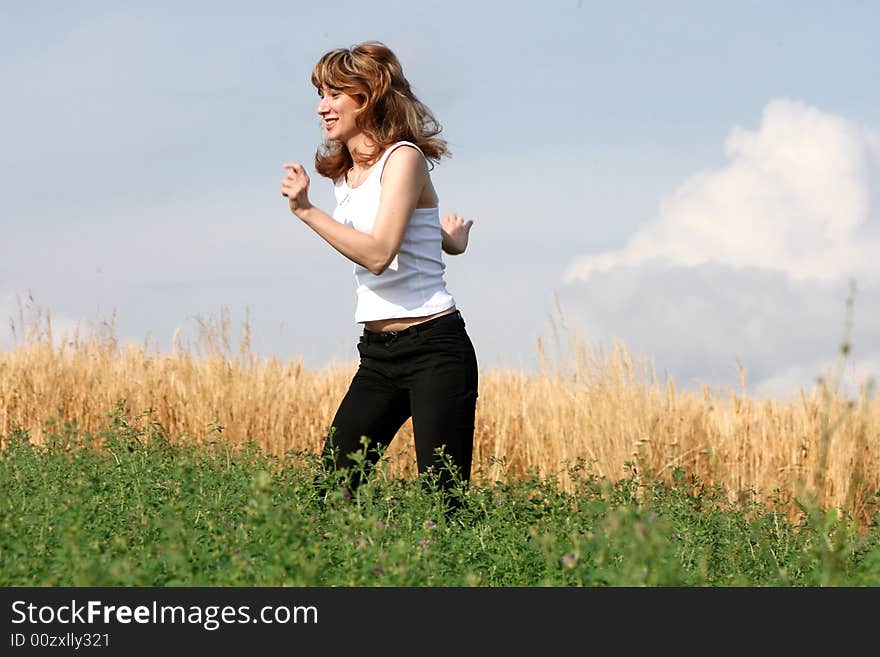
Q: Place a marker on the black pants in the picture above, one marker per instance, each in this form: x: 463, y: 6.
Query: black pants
x: 429, y: 372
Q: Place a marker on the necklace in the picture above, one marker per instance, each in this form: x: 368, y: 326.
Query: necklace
x: 350, y: 179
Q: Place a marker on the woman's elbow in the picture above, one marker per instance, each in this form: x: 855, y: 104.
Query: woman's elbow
x: 379, y: 265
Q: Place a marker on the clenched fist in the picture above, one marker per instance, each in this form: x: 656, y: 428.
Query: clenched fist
x: 295, y: 187
x: 455, y: 233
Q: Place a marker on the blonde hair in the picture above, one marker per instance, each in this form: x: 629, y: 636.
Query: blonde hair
x: 389, y: 111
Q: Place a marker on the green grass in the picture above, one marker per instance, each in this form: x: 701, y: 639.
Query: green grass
x: 127, y: 507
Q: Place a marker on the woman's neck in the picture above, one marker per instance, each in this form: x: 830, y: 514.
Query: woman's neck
x: 358, y: 146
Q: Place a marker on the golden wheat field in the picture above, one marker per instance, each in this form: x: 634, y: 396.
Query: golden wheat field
x: 603, y: 409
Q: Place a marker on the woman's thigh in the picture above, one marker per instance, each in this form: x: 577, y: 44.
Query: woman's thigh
x: 443, y: 397
x: 373, y: 408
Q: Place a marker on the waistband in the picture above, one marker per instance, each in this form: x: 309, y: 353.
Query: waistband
x: 386, y: 336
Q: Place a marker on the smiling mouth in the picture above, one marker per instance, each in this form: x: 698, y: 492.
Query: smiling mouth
x: 330, y: 123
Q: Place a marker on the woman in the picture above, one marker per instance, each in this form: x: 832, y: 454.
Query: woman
x: 416, y: 359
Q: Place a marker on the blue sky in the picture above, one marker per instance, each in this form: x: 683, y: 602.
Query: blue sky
x: 696, y: 179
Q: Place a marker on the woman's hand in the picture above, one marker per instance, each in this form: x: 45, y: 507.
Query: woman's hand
x: 455, y: 233
x: 295, y: 187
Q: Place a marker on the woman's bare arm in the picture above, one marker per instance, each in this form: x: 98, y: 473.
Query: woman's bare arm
x: 403, y: 179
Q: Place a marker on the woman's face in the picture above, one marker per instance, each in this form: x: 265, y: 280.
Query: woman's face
x: 338, y: 110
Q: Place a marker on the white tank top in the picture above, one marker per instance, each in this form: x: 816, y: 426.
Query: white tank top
x: 412, y: 285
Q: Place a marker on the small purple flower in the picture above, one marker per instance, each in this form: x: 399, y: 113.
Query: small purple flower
x: 362, y: 543
x: 569, y: 559
x: 346, y: 494
x: 430, y: 524
x: 378, y: 570
x: 424, y: 543
x: 380, y: 524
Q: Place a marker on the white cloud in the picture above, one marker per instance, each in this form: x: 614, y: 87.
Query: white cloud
x: 8, y: 310
x: 750, y: 263
x: 700, y: 324
x: 795, y: 197
x: 25, y: 321
x: 849, y: 377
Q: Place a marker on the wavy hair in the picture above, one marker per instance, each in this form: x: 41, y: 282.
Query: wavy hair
x: 389, y: 110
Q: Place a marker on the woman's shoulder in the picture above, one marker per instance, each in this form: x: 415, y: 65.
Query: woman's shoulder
x: 406, y: 150
x: 397, y: 146
x: 405, y: 159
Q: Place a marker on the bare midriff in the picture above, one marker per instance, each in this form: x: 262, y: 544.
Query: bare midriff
x: 400, y: 323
